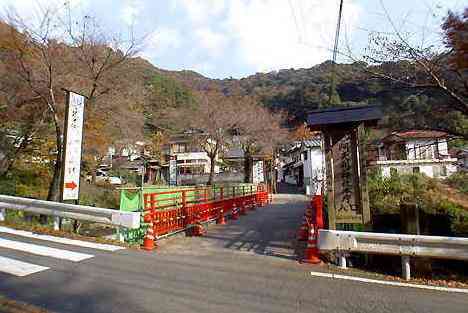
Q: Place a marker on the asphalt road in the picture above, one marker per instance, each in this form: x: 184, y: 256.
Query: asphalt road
x: 246, y: 266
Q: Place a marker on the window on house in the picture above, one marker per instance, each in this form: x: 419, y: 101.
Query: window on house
x: 416, y: 169
x: 179, y: 148
x: 430, y: 152
x: 305, y: 155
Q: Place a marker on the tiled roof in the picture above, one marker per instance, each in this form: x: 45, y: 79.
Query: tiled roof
x: 344, y: 115
x: 412, y: 134
x: 421, y: 134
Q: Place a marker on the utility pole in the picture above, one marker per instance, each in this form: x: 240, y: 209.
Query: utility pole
x: 335, y: 51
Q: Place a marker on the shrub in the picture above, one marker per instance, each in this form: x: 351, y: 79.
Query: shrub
x: 459, y: 181
x: 387, y: 193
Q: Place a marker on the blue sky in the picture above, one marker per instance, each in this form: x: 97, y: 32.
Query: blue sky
x: 224, y: 38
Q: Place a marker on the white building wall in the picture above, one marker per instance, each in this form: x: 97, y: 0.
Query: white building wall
x: 192, y: 157
x: 431, y: 168
x: 318, y: 174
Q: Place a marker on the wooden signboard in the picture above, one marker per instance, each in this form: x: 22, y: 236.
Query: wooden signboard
x: 346, y: 176
x: 345, y: 158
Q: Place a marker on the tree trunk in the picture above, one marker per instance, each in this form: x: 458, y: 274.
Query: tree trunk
x: 54, y: 187
x: 273, y: 177
x: 212, y: 169
x: 247, y: 167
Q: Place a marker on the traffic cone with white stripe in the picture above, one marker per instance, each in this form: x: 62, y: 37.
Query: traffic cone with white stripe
x: 221, y: 220
x: 302, y: 233
x: 311, y: 253
x: 148, y: 240
x: 235, y: 213
x: 198, y: 230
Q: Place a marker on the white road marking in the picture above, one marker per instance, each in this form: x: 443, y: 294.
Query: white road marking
x: 388, y: 283
x: 44, y: 251
x: 66, y: 241
x: 18, y: 268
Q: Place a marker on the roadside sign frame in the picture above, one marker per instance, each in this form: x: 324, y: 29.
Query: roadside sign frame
x: 65, y: 147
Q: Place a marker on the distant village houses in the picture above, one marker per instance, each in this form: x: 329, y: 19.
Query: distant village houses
x: 416, y: 151
x: 302, y: 165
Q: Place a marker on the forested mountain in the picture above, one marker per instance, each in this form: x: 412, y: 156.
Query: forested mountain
x: 298, y: 91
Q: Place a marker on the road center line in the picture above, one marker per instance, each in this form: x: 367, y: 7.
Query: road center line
x: 388, y: 283
x: 18, y: 268
x: 44, y: 251
x: 66, y: 241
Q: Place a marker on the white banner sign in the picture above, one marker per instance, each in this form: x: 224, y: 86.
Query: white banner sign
x: 258, y: 176
x: 173, y: 171
x: 74, y: 138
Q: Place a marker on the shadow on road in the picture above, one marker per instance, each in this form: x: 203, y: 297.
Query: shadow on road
x: 269, y: 230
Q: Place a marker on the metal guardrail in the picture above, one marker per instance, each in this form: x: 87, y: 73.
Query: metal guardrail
x: 79, y: 212
x: 342, y: 242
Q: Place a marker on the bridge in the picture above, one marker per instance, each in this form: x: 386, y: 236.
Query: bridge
x: 247, y: 265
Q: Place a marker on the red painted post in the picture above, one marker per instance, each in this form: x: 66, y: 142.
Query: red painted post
x: 312, y: 253
x: 221, y: 220
x: 185, y: 209
x: 317, y: 203
x: 252, y: 198
x: 243, y: 209
x: 148, y: 240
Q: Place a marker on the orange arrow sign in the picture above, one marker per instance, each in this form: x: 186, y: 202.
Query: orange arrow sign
x: 71, y: 185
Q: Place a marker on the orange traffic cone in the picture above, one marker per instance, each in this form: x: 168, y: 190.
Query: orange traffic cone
x: 311, y: 253
x: 148, y: 241
x: 303, y: 233
x: 198, y: 230
x: 235, y: 213
x: 221, y: 220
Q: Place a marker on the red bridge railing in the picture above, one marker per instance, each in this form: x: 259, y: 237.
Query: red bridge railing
x: 166, y: 213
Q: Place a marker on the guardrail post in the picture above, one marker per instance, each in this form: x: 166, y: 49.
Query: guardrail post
x: 2, y: 215
x: 56, y: 223
x: 342, y: 260
x: 405, y: 267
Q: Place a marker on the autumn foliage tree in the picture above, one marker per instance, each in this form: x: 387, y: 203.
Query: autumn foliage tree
x: 259, y: 131
x: 211, y: 122
x: 432, y: 77
x: 43, y: 60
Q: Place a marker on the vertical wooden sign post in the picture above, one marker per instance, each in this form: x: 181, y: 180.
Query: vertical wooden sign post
x: 72, y: 149
x: 345, y: 159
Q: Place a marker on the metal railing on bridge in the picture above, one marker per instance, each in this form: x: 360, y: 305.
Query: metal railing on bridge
x: 170, y: 212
